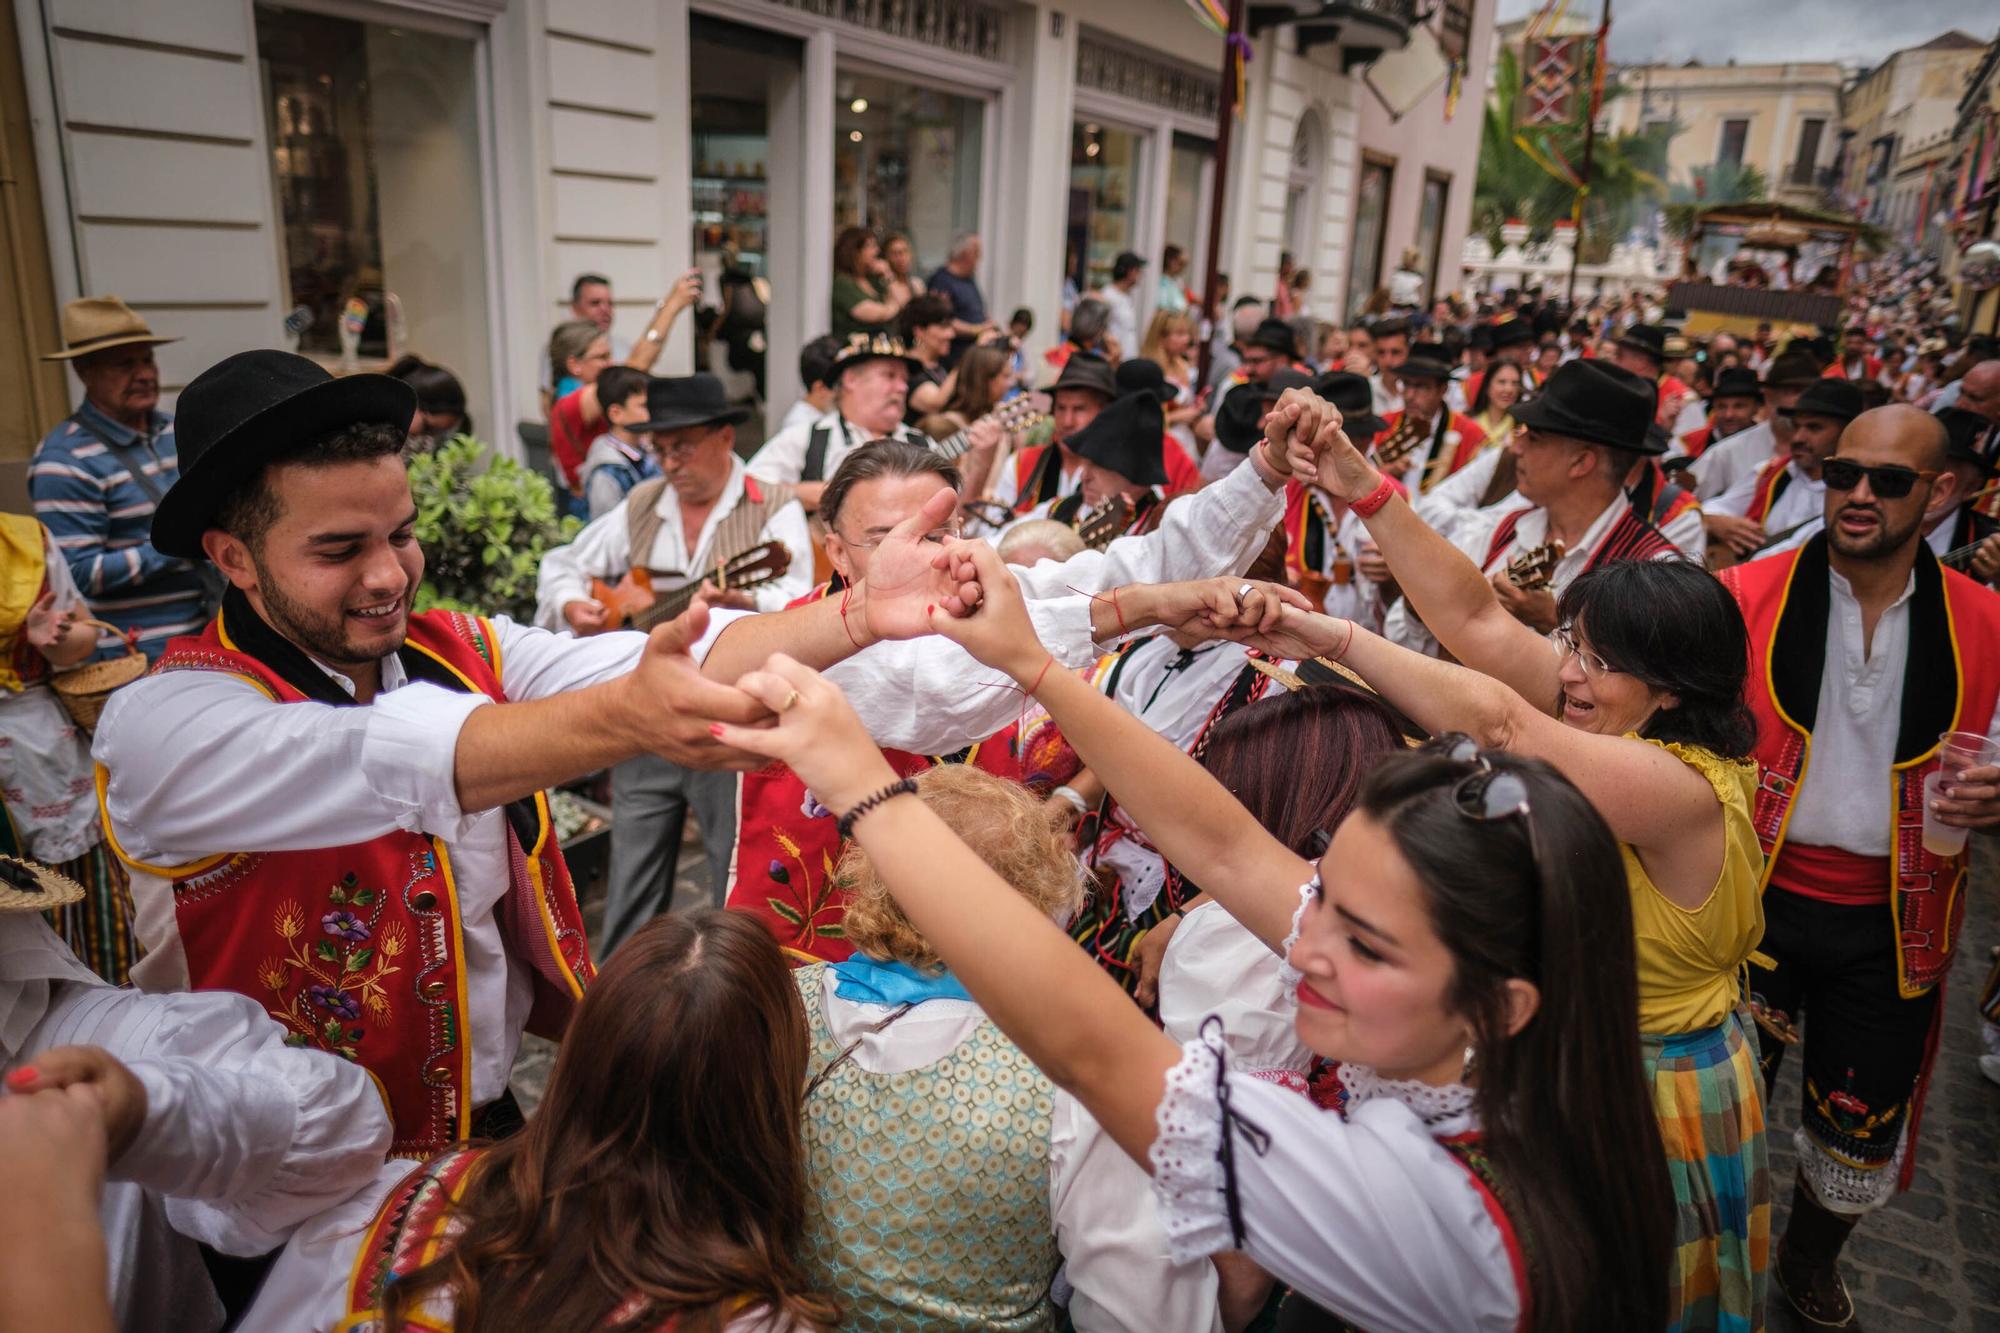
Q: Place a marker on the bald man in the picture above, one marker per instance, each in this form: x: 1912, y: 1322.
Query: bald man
x: 1863, y: 650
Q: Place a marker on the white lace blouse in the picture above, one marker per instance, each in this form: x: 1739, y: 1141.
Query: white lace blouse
x: 1366, y: 1213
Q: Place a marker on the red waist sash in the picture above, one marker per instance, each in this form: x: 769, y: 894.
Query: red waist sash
x: 1831, y: 875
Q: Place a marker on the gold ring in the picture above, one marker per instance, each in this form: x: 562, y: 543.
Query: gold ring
x: 790, y: 699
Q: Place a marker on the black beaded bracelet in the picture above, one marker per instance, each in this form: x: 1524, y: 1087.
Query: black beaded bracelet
x: 900, y: 787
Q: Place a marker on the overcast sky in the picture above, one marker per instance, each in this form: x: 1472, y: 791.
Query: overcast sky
x: 1713, y: 31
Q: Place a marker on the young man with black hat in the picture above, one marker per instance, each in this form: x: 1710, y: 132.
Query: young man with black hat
x: 1644, y: 350
x: 1862, y: 654
x: 1044, y: 473
x: 1732, y: 408
x: 1119, y: 459
x: 1271, y: 347
x: 1431, y: 440
x: 1722, y: 465
x: 1785, y: 494
x: 1960, y: 528
x: 706, y: 510
x: 334, y: 804
x: 1581, y: 440
x: 871, y: 394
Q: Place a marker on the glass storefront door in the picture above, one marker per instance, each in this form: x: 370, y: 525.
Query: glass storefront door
x: 906, y: 161
x: 1105, y: 167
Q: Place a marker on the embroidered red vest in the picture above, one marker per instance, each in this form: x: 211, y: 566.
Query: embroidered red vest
x: 1773, y: 476
x: 1697, y: 440
x: 357, y: 950
x: 787, y: 846
x: 1951, y: 683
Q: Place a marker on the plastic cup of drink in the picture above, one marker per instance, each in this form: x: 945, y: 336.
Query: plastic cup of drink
x: 1957, y: 751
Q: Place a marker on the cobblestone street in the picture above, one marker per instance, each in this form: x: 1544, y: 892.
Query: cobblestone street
x: 1930, y: 1261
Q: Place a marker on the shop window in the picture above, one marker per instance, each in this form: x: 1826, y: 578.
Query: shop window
x: 374, y: 135
x: 1430, y: 228
x: 1188, y: 172
x: 1734, y: 134
x: 1371, y: 212
x: 1302, y: 188
x: 906, y: 159
x: 1103, y: 201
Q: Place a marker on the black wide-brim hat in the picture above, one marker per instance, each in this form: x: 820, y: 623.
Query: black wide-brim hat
x: 1239, y: 421
x: 1649, y: 339
x: 1355, y: 397
x: 1964, y: 430
x: 1126, y: 438
x: 674, y: 402
x: 1275, y: 335
x: 1840, y: 400
x: 1736, y: 382
x: 1512, y: 333
x: 253, y: 409
x: 1592, y: 400
x: 1426, y: 361
x: 1087, y: 370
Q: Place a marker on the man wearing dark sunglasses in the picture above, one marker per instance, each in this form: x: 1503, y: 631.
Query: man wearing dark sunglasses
x: 1864, y: 651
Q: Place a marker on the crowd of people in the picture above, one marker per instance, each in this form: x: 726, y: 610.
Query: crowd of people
x: 1244, y: 822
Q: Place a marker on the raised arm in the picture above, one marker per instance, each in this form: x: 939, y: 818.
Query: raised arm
x: 1045, y: 994
x: 1651, y: 800
x: 684, y: 293
x: 1189, y: 815
x: 1445, y: 588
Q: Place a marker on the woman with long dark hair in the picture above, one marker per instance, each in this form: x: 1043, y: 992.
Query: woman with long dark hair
x: 660, y: 1184
x: 1455, y: 950
x: 1638, y: 699
x: 1493, y: 405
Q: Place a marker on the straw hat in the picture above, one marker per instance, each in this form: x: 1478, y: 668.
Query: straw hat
x: 97, y: 323
x: 28, y: 887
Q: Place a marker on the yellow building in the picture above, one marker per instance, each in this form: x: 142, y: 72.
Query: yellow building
x: 1783, y: 119
x: 1899, y: 119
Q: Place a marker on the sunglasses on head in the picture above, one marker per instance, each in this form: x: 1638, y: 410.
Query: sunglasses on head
x: 1887, y: 482
x: 1487, y: 794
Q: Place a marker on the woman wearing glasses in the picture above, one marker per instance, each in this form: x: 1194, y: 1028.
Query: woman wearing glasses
x: 1495, y: 1155
x: 1638, y: 699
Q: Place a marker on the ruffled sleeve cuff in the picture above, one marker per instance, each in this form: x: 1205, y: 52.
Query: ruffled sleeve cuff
x: 1289, y: 976
x: 1188, y: 1181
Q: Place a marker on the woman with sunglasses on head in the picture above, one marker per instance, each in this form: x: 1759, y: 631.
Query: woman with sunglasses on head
x: 1638, y: 699
x: 1495, y: 1159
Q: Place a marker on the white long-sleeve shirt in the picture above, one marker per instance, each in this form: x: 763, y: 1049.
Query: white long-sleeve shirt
x: 929, y: 696
x: 783, y: 456
x: 245, y: 1138
x: 603, y: 550
x: 1802, y: 500
x: 198, y: 763
x: 1728, y: 461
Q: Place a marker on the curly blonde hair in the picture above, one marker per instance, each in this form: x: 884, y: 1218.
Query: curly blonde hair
x: 1003, y: 824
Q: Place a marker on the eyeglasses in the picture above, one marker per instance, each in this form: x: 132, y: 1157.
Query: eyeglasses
x: 936, y: 536
x: 1566, y: 644
x: 1888, y: 483
x: 680, y: 448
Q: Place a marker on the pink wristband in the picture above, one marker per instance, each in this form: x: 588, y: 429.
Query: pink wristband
x: 1368, y: 504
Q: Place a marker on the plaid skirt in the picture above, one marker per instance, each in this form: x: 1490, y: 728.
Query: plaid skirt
x: 1709, y: 1098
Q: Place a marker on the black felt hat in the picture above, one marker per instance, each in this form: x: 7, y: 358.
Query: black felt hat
x: 1591, y: 399
x: 689, y: 400
x: 1427, y: 361
x: 1839, y: 399
x: 1276, y: 335
x: 1649, y: 339
x: 1239, y: 420
x: 1087, y: 370
x: 1480, y: 338
x: 1137, y: 372
x: 1512, y: 333
x: 1964, y: 432
x: 1125, y: 438
x: 252, y: 409
x: 1792, y: 370
x: 1355, y: 397
x: 1736, y: 382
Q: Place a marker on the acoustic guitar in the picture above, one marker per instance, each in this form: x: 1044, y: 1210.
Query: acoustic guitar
x: 1534, y: 569
x: 635, y: 602
x: 1103, y: 527
x: 1015, y: 415
x: 1396, y: 448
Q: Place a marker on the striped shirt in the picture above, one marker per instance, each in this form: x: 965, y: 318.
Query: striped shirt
x: 102, y: 519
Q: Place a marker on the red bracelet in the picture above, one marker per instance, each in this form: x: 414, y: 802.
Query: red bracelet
x: 1039, y: 674
x: 845, y: 594
x: 1117, y: 612
x: 1345, y: 643
x: 1368, y: 504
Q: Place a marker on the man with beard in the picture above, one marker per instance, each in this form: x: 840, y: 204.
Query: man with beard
x: 1723, y: 465
x: 1863, y: 652
x: 1043, y: 473
x: 705, y: 511
x: 335, y: 805
x: 1787, y: 492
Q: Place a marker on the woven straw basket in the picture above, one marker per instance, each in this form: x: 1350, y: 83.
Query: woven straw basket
x: 83, y: 691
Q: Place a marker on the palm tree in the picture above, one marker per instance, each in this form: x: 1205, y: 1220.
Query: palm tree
x: 1626, y: 169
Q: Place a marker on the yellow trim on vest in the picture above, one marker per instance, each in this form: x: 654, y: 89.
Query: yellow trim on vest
x: 464, y: 1022
x: 493, y: 643
x: 541, y: 888
x: 1903, y: 987
x: 469, y: 686
x: 111, y: 839
x: 1778, y: 707
x: 436, y: 1241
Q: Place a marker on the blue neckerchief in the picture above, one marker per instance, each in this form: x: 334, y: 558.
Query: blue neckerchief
x: 870, y: 981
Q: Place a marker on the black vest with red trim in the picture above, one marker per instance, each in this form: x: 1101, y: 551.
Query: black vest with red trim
x: 1951, y: 683
x: 359, y: 950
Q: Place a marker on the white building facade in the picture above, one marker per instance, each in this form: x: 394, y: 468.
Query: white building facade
x: 429, y: 176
